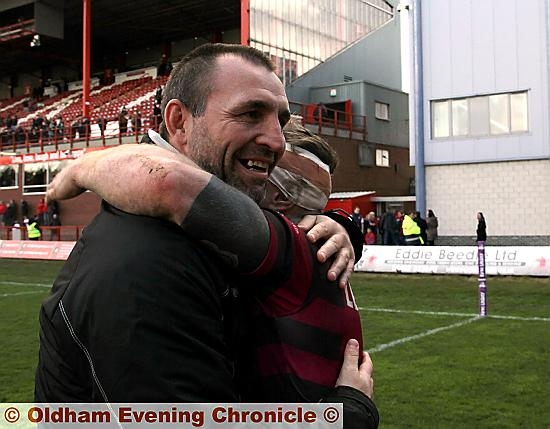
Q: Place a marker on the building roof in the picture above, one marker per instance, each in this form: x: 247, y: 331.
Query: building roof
x: 349, y: 195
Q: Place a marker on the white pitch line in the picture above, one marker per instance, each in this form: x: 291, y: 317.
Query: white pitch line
x: 382, y: 347
x: 4, y: 295
x: 25, y: 284
x: 445, y: 313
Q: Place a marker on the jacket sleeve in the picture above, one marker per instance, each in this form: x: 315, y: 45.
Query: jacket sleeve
x: 360, y: 412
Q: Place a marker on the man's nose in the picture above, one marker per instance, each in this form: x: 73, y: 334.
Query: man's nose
x: 272, y: 135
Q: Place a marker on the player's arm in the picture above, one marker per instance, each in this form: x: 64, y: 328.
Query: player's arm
x: 148, y: 180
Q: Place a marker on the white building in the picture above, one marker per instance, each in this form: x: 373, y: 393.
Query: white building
x: 486, y: 118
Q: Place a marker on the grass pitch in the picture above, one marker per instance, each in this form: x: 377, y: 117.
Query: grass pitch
x: 437, y: 365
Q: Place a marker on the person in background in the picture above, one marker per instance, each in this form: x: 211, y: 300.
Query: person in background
x: 11, y: 213
x: 389, y: 228
x: 42, y: 212
x: 399, y: 218
x: 371, y: 222
x: 3, y: 208
x: 481, y: 230
x: 423, y: 227
x: 433, y: 224
x: 358, y: 219
x: 123, y: 120
x: 370, y: 238
x: 411, y: 230
x: 137, y: 122
x: 33, y: 229
x: 24, y: 208
x: 55, y: 233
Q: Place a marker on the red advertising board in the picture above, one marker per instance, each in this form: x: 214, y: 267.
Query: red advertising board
x: 27, y: 249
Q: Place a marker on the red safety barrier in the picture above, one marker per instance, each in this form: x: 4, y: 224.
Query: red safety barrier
x: 49, y: 233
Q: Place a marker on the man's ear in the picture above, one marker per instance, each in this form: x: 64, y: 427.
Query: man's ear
x: 178, y: 122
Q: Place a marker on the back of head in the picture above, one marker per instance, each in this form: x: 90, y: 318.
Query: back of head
x: 191, y: 80
x: 297, y: 135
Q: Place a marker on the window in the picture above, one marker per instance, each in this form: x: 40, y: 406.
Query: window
x: 495, y: 114
x: 9, y: 175
x: 366, y: 155
x: 382, y: 111
x: 37, y: 176
x: 382, y: 158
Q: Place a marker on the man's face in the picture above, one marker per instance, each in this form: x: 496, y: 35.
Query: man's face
x: 239, y: 137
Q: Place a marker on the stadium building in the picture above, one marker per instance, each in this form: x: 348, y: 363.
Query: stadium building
x: 486, y: 118
x: 339, y: 59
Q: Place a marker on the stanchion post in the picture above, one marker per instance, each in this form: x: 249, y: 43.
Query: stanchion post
x: 482, y: 279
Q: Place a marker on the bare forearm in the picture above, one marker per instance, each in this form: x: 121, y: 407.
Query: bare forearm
x: 147, y: 180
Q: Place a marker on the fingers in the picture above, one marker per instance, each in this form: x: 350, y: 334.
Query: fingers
x: 366, y: 368
x: 63, y: 186
x: 351, y: 355
x: 320, y: 229
x: 349, y: 374
x: 307, y: 222
x: 340, y: 268
x: 345, y: 277
x: 340, y: 247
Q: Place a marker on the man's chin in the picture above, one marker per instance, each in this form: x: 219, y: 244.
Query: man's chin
x: 256, y: 192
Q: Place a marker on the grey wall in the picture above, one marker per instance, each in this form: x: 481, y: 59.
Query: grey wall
x: 364, y: 95
x: 375, y: 58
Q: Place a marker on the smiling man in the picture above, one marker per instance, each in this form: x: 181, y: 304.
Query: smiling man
x: 141, y: 311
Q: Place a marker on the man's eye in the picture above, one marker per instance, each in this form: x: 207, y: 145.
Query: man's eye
x: 253, y: 114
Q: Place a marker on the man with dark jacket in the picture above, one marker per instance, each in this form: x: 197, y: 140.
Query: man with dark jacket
x: 177, y: 287
x: 389, y: 228
x: 423, y: 227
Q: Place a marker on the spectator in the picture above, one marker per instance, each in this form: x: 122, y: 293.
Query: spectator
x: 158, y: 95
x: 75, y: 127
x: 123, y: 120
x: 24, y: 208
x: 102, y: 123
x: 320, y: 112
x: 358, y: 219
x: 33, y: 229
x: 157, y: 116
x: 85, y: 128
x: 433, y: 224
x: 11, y: 213
x: 165, y: 66
x: 3, y: 208
x: 137, y: 122
x: 389, y: 228
x: 481, y: 227
x: 423, y: 227
x: 41, y: 212
x: 411, y: 230
x: 399, y: 218
x: 57, y: 128
x: 371, y: 222
x: 370, y: 237
x: 55, y: 223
